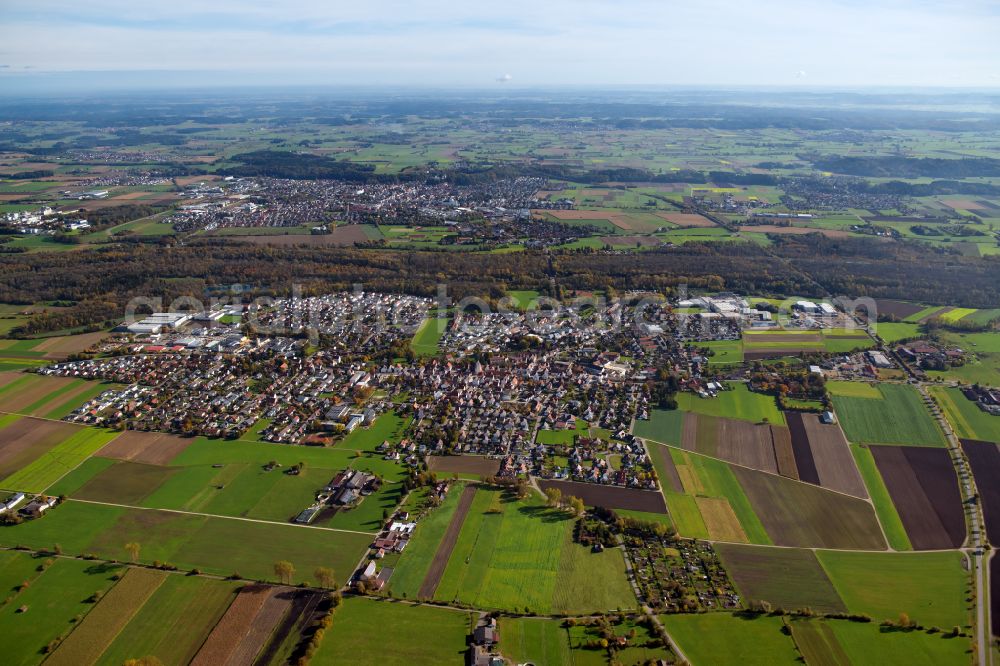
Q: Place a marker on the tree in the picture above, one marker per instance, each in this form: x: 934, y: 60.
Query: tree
x: 553, y: 497
x: 904, y: 620
x: 133, y: 548
x: 284, y: 570
x: 577, y: 506
x: 324, y: 576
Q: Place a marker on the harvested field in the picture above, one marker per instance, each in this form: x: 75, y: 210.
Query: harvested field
x: 832, y: 457
x: 100, y: 626
x: 9, y: 376
x: 479, y: 465
x: 32, y: 392
x: 623, y: 221
x: 26, y: 439
x: 233, y: 627
x: 686, y: 219
x: 747, y: 444
x: 125, y: 483
x: 924, y: 488
x: 801, y: 515
x: 984, y: 458
x: 275, y: 607
x: 788, y: 578
x: 721, y: 520
x: 610, y: 497
x: 741, y: 442
x: 64, y: 345
x: 301, y: 614
x: 152, y: 448
x: 900, y: 309
x: 784, y: 455
x: 670, y: 480
x: 345, y: 235
x: 773, y: 229
x: 447, y: 545
x: 963, y: 204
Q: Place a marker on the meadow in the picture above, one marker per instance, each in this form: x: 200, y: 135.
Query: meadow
x: 736, y: 403
x: 513, y: 554
x: 420, y: 634
x: 54, y: 600
x: 751, y: 641
x: 864, y: 419
x: 930, y: 587
x: 189, y: 541
x: 965, y: 417
x: 425, y: 340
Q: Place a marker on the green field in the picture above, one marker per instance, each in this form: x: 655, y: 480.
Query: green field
x: 564, y: 437
x: 864, y: 419
x: 724, y: 351
x: 361, y: 631
x: 724, y: 638
x: 59, y: 461
x: 425, y: 340
x: 930, y: 587
x: 174, y: 622
x: 541, y: 642
x: 853, y: 389
x: 738, y: 403
x: 524, y: 299
x: 409, y: 572
x: 387, y: 427
x: 53, y: 600
x: 896, y: 331
x: 869, y: 645
x: 892, y: 525
x: 712, y: 478
x: 190, y: 541
x: 965, y: 417
x: 524, y: 556
x: 663, y: 426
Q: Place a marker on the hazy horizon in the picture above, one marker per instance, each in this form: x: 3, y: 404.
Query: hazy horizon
x: 56, y: 44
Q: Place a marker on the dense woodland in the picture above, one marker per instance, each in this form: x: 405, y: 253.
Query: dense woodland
x: 100, y: 282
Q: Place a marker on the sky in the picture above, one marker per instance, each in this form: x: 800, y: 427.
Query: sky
x: 512, y: 43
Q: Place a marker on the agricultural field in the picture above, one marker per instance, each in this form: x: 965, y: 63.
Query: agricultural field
x: 863, y: 419
x: 930, y: 587
x: 758, y: 446
x: 736, y: 403
x: 663, y: 426
x: 984, y: 459
x: 421, y: 634
x: 705, y: 498
x: 754, y: 641
x: 53, y: 602
x: 510, y: 554
x: 822, y: 456
x: 788, y: 578
x: 189, y: 540
x: 924, y: 488
x: 965, y: 417
x: 174, y: 622
x: 889, y: 518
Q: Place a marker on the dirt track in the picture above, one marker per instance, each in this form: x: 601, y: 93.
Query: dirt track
x: 447, y: 545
